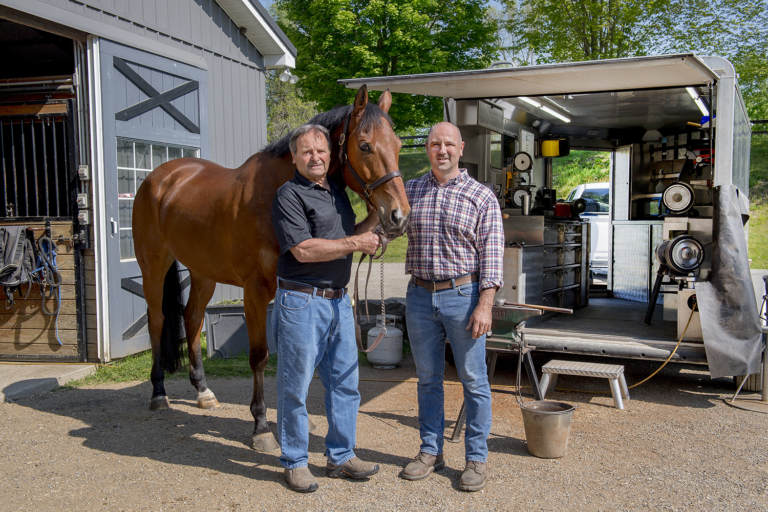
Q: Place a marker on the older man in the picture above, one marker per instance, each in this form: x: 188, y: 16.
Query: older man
x: 455, y: 250
x: 313, y: 320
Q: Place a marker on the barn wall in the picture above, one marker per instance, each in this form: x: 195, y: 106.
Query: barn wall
x: 235, y: 67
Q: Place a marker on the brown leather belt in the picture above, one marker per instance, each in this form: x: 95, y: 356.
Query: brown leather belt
x: 436, y: 286
x: 326, y: 293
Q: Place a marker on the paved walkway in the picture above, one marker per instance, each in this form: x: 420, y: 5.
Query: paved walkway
x: 23, y: 380
x: 395, y: 280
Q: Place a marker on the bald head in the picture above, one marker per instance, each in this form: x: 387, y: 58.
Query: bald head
x: 445, y: 125
x: 444, y: 148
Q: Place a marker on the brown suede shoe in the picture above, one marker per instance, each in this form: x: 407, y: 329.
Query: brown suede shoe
x: 422, y: 466
x: 353, y: 468
x: 300, y: 479
x: 474, y: 476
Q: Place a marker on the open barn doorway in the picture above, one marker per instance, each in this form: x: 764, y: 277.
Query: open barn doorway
x: 39, y: 158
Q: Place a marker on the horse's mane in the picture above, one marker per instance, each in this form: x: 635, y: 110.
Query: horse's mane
x: 331, y: 120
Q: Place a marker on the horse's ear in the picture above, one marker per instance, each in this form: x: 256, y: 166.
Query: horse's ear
x: 385, y: 101
x: 361, y: 100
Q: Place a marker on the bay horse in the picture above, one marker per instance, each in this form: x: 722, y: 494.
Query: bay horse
x: 217, y: 223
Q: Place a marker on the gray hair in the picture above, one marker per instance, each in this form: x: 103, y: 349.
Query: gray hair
x: 305, y: 129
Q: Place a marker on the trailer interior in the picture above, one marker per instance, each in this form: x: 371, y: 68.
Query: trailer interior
x: 652, y: 115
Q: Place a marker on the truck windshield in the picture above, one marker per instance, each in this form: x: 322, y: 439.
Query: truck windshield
x: 597, y: 199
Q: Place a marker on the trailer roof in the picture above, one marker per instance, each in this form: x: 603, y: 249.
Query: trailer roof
x: 550, y: 79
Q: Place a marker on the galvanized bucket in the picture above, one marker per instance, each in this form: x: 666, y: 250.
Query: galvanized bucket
x: 547, y: 427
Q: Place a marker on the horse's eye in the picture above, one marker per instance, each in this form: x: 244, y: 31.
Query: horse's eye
x: 365, y: 147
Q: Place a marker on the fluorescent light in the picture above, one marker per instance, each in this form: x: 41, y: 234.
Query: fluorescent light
x: 697, y: 100
x: 556, y: 114
x: 530, y: 101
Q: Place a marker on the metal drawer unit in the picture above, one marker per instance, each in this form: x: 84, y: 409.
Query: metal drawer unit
x: 565, y: 256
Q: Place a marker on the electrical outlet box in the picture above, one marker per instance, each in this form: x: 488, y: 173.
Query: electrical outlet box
x: 83, y: 201
x: 84, y: 173
x: 84, y: 217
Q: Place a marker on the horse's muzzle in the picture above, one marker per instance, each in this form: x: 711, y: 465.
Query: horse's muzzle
x: 396, y: 223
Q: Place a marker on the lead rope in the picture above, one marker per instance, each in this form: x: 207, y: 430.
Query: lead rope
x: 383, y: 331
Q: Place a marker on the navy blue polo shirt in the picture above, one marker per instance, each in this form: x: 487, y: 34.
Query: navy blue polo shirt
x: 301, y: 210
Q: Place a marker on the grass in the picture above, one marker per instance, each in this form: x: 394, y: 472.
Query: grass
x: 137, y: 368
x: 758, y: 197
x: 412, y: 165
x: 579, y: 167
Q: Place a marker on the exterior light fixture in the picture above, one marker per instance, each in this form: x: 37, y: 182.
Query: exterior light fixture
x: 293, y: 79
x: 285, y: 76
x: 697, y: 100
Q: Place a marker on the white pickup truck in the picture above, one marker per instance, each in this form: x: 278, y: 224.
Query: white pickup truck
x: 597, y: 197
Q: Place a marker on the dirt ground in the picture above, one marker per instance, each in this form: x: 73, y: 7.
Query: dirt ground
x: 676, y: 446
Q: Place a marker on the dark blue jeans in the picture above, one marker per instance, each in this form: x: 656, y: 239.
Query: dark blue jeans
x: 432, y: 316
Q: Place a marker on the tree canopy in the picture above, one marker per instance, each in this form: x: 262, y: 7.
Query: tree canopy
x: 357, y: 38
x: 286, y: 108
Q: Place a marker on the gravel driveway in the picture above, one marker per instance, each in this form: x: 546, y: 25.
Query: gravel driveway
x: 677, y: 446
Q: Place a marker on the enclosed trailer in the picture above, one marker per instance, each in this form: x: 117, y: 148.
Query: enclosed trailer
x: 675, y: 180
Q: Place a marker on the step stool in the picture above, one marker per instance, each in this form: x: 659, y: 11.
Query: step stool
x: 613, y: 372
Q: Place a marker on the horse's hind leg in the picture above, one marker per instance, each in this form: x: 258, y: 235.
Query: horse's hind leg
x: 200, y: 292
x: 257, y: 297
x: 153, y: 278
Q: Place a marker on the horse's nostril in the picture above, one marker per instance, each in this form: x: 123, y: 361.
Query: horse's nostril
x: 396, y: 217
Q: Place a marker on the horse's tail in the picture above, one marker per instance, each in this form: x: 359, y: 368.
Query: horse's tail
x: 172, y: 339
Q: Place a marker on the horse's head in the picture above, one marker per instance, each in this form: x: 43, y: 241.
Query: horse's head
x: 373, y: 151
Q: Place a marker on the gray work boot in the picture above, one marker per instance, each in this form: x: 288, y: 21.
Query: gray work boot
x: 353, y: 468
x: 474, y: 476
x: 422, y: 466
x: 300, y: 479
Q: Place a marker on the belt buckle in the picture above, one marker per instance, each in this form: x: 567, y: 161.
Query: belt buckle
x: 324, y: 290
x: 432, y: 286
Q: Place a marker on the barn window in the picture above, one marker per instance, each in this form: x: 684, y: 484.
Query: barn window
x: 135, y: 160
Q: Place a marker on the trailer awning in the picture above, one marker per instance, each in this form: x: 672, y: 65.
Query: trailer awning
x: 550, y: 79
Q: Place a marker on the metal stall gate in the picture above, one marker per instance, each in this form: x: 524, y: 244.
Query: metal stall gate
x: 153, y: 110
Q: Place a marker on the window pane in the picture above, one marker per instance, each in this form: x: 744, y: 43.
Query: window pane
x: 159, y: 155
x: 126, y: 244
x: 125, y: 183
x: 190, y: 153
x: 143, y: 156
x: 174, y: 153
x: 140, y: 177
x: 126, y: 211
x: 124, y: 153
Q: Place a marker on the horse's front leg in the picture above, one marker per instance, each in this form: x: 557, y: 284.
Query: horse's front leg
x: 257, y: 298
x: 200, y: 293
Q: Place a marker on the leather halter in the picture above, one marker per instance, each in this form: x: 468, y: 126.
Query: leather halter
x: 367, y: 188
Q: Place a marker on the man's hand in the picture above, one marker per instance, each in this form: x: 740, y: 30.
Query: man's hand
x: 367, y: 243
x: 480, y: 321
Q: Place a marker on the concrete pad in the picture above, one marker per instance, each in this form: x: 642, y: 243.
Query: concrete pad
x: 395, y: 280
x: 22, y: 380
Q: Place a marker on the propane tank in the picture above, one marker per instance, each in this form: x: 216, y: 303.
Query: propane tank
x: 389, y: 351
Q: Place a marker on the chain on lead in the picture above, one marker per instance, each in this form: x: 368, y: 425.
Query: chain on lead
x: 381, y: 281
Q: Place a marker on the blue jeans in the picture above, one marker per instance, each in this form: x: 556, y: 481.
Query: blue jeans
x: 313, y: 332
x: 432, y: 316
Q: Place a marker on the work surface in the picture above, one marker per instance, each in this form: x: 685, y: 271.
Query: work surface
x: 676, y: 446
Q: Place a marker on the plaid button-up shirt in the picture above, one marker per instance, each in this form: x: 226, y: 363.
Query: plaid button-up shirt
x: 455, y: 229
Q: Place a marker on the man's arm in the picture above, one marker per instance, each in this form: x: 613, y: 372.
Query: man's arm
x: 321, y: 249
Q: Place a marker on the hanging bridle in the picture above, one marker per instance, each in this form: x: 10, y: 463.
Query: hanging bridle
x: 367, y: 191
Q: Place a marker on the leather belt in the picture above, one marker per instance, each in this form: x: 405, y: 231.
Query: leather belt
x: 326, y: 293
x: 436, y: 286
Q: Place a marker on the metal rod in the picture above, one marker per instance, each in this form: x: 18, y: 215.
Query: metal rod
x: 24, y: 168
x: 711, y: 133
x: 34, y: 166
x: 64, y: 136
x: 15, y: 178
x: 543, y: 308
x: 55, y: 167
x: 45, y: 170
x: 5, y: 172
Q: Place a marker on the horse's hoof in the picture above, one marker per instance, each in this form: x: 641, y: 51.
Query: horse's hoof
x: 264, y: 442
x: 312, y: 425
x: 207, y: 400
x: 158, y: 403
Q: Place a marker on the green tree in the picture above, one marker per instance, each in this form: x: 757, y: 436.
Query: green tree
x: 286, y: 108
x: 357, y: 38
